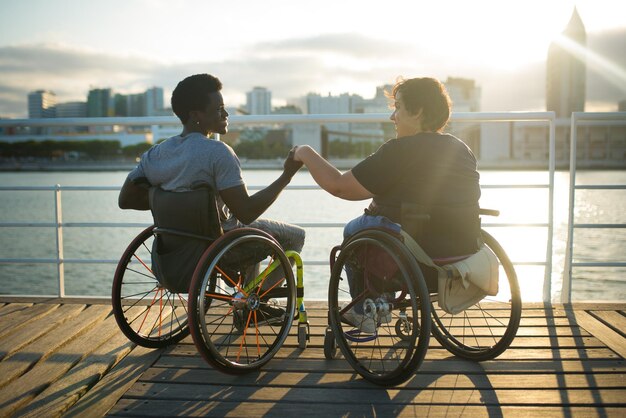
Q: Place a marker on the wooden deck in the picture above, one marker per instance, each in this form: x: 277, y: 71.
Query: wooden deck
x: 67, y: 358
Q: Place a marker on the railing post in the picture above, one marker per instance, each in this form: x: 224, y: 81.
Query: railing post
x: 547, y: 280
x: 58, y: 215
x: 566, y: 288
x: 155, y: 132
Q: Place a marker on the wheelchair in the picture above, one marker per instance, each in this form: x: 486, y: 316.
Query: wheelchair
x: 184, y: 275
x: 392, y: 288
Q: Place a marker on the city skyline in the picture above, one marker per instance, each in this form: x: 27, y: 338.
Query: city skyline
x: 278, y: 47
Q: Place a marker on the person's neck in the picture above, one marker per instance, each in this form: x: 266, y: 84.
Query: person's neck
x: 188, y: 131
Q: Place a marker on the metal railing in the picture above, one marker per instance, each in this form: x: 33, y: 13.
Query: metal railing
x: 59, y: 225
x: 578, y: 119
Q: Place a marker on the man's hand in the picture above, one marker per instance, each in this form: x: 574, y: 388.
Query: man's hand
x: 291, y: 166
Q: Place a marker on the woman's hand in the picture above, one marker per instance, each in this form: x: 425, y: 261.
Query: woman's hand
x: 299, y: 152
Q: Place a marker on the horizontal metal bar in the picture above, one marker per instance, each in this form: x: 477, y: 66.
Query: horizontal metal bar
x: 28, y: 261
x: 301, y: 224
x: 514, y: 186
x: 110, y: 261
x: 250, y: 187
x: 598, y: 264
x: 273, y: 119
x: 600, y: 187
x: 600, y: 226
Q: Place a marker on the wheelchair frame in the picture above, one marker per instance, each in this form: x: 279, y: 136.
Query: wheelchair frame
x: 152, y: 316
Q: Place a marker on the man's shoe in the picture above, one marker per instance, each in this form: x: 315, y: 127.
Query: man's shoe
x: 265, y: 315
x: 270, y: 315
x: 240, y: 318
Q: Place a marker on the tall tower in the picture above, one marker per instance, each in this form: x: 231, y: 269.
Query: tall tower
x: 259, y: 101
x: 566, y: 70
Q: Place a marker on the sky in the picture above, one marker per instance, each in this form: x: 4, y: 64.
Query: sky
x: 299, y: 47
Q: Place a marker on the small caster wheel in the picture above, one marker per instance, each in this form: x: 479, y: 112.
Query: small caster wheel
x: 330, y: 344
x: 303, y: 335
x: 404, y: 328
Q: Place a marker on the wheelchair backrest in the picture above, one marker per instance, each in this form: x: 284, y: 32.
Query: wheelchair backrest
x: 443, y: 231
x: 186, y: 224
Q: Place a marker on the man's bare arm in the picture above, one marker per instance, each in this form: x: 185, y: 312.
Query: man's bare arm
x: 133, y: 196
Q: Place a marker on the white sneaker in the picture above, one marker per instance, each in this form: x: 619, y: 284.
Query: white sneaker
x: 384, y: 311
x: 376, y: 314
x: 361, y: 321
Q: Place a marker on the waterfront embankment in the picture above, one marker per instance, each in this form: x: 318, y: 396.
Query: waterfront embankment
x: 276, y: 164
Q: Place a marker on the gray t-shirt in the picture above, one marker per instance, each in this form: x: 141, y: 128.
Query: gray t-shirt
x: 181, y: 163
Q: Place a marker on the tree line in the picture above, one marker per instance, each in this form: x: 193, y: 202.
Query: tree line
x: 113, y: 150
x: 82, y: 149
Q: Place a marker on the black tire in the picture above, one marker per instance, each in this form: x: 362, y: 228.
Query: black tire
x: 229, y: 337
x: 383, y: 357
x: 486, y: 329
x: 147, y: 313
x: 330, y: 345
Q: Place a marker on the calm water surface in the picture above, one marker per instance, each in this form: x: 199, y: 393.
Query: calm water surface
x: 523, y: 244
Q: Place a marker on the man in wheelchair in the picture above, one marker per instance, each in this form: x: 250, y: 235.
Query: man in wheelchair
x: 423, y: 181
x: 193, y: 160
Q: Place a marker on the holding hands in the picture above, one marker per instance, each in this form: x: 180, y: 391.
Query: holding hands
x: 291, y: 164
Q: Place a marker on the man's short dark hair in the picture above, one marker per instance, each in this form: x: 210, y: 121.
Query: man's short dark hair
x: 193, y: 94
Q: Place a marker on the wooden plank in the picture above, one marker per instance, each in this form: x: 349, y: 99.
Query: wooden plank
x: 37, y: 329
x: 104, y: 395
x: 12, y: 307
x: 612, y: 339
x: 320, y: 393
x: 60, y: 359
x: 367, y: 408
x: 18, y: 363
x: 448, y: 365
x: 422, y: 380
x: 66, y: 391
x: 13, y: 321
x: 612, y: 319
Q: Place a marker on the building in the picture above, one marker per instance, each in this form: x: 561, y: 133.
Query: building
x: 154, y: 101
x: 71, y: 110
x: 41, y: 104
x: 259, y: 101
x: 465, y: 96
x: 100, y: 103
x: 566, y: 71
x: 136, y: 105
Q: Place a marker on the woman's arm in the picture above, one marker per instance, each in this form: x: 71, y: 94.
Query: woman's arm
x: 344, y: 186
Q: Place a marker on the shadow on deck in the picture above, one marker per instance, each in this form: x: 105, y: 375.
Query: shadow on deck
x: 68, y: 358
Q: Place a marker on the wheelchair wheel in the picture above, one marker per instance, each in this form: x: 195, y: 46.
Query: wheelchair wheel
x: 370, y: 342
x: 486, y: 329
x: 147, y: 313
x: 238, y: 327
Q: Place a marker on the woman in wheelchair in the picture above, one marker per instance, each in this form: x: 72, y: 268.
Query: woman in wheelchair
x: 434, y: 171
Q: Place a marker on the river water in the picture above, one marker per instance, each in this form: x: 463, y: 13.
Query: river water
x: 523, y: 244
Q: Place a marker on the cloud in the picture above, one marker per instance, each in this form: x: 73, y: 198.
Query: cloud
x: 290, y: 68
x: 349, y: 44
